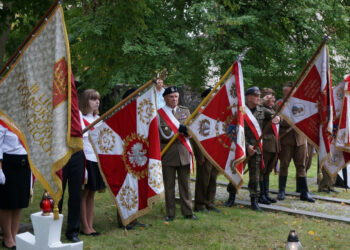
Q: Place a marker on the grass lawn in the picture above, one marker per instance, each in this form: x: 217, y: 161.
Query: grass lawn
x: 234, y: 228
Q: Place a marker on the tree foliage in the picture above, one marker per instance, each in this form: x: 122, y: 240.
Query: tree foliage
x: 128, y: 42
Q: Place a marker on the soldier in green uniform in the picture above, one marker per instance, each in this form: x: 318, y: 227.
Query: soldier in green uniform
x: 271, y: 147
x: 177, y: 158
x: 293, y: 146
x: 254, y: 164
x: 206, y: 175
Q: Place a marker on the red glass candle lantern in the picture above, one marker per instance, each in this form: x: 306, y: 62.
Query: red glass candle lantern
x: 46, y: 204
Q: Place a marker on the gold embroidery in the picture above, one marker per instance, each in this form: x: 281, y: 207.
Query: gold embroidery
x: 128, y: 198
x: 106, y: 140
x: 145, y: 111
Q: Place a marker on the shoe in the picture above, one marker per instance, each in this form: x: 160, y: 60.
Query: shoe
x: 5, y: 246
x: 191, y: 217
x: 169, y: 218
x: 138, y: 224
x: 214, y: 209
x: 129, y: 227
x: 282, y: 181
x: 203, y: 210
x: 324, y: 190
x: 95, y: 234
x: 254, y: 204
x: 334, y: 191
x: 73, y: 238
x: 82, y: 233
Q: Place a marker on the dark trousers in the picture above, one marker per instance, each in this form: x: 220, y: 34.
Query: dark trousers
x: 183, y: 175
x: 73, y: 173
x: 206, y: 176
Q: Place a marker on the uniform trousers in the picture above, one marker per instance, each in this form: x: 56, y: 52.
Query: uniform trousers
x: 298, y: 154
x: 270, y: 160
x: 254, y: 165
x: 73, y: 172
x: 206, y: 176
x: 169, y: 175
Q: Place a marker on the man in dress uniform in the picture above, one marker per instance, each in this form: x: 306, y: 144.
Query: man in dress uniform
x: 206, y: 175
x: 178, y: 158
x: 271, y: 147
x: 293, y: 146
x: 260, y: 114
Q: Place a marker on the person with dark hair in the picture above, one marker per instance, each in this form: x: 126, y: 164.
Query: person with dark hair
x: 206, y: 175
x: 89, y: 105
x: 14, y: 185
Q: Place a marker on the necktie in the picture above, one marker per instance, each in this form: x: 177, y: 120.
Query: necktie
x: 173, y: 111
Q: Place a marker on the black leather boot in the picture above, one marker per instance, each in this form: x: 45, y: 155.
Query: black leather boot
x: 266, y: 189
x: 282, y: 180
x: 254, y: 204
x: 231, y: 200
x: 298, y: 186
x: 304, y: 191
x: 262, y: 198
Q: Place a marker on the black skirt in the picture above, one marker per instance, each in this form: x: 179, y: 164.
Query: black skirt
x: 95, y: 180
x: 15, y: 194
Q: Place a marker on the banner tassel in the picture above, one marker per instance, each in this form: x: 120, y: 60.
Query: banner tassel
x: 56, y: 214
x: 125, y: 232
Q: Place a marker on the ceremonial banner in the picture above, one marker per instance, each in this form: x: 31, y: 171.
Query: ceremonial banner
x: 343, y: 134
x: 309, y: 109
x: 219, y: 128
x: 39, y: 98
x: 128, y: 150
x: 339, y: 156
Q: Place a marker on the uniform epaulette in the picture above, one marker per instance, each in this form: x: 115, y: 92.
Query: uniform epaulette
x: 182, y: 107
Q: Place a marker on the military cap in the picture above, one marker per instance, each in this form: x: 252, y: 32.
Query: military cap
x: 170, y: 90
x: 288, y: 84
x: 267, y: 91
x: 252, y: 91
x: 206, y: 92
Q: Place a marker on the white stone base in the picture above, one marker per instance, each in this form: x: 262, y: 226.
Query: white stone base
x: 47, y: 233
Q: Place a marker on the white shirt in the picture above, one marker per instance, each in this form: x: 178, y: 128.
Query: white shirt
x: 168, y: 108
x: 160, y: 99
x: 9, y: 143
x: 88, y: 150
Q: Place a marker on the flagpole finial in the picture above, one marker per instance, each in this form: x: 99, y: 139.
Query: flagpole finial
x: 241, y: 56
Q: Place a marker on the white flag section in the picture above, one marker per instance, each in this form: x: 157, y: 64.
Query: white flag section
x: 128, y: 150
x: 38, y: 98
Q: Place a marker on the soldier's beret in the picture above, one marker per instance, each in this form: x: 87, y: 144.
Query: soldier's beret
x: 252, y: 91
x: 206, y: 92
x: 288, y: 84
x: 267, y: 91
x: 170, y: 90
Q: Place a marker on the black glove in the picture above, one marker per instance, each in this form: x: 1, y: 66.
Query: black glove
x: 183, y: 129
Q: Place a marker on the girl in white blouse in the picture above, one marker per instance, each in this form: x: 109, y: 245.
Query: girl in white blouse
x: 90, y: 102
x: 15, y: 179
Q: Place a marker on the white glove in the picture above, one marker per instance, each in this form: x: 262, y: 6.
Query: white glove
x: 2, y: 177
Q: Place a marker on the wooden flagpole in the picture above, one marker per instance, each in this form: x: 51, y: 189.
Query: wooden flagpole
x: 29, y: 36
x: 239, y: 58
x: 325, y: 39
x: 118, y: 105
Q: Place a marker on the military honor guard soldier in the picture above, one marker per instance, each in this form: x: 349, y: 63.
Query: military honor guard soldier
x: 206, y: 175
x: 178, y: 158
x: 293, y: 146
